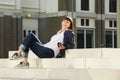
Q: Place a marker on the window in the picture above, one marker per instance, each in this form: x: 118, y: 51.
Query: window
x: 25, y: 32
x: 89, y: 39
x: 111, y: 33
x: 112, y: 6
x: 111, y: 39
x: 112, y: 23
x: 115, y: 23
x: 85, y: 39
x: 85, y: 22
x: 80, y: 39
x: 82, y: 22
x: 115, y: 39
x: 30, y: 25
x: 85, y: 5
x: 108, y: 39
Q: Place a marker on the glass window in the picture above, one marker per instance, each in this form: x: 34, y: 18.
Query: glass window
x: 85, y: 5
x: 82, y: 22
x: 112, y: 6
x: 115, y: 23
x: 33, y: 31
x: 110, y: 23
x: 29, y: 31
x: 115, y: 39
x: 89, y: 39
x: 111, y: 39
x: 87, y: 22
x: 80, y: 39
x: 85, y: 39
x: 24, y: 33
x: 108, y: 39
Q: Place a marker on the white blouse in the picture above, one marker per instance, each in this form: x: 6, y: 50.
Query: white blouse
x: 52, y: 44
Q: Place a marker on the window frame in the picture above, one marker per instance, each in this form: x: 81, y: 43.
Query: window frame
x: 91, y: 23
x: 113, y: 38
x: 107, y: 7
x: 85, y: 37
x: 91, y: 6
x: 29, y: 25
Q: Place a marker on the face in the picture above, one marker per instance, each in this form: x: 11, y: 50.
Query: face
x: 65, y: 24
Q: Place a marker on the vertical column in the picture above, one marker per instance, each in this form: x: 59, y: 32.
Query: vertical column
x: 62, y: 5
x: 7, y: 31
x: 100, y: 27
x: 118, y: 23
x: 17, y: 30
x: 1, y: 35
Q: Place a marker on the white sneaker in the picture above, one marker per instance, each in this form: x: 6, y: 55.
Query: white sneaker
x: 15, y: 56
x: 22, y: 65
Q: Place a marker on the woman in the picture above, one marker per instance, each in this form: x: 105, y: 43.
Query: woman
x: 60, y: 41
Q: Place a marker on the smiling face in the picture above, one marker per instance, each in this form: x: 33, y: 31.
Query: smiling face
x: 65, y: 24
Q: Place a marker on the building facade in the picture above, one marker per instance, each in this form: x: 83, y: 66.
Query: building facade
x: 95, y: 21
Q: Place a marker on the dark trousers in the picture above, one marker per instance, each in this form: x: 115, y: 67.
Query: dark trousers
x: 32, y: 42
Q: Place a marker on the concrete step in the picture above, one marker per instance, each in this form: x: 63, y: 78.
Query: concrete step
x: 6, y: 63
x: 27, y: 79
x: 59, y: 74
x: 104, y: 63
x: 93, y: 53
x: 46, y: 63
x: 110, y: 52
x: 61, y: 63
x: 83, y: 53
x: 92, y: 63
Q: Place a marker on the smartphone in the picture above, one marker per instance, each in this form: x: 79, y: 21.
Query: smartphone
x: 59, y: 44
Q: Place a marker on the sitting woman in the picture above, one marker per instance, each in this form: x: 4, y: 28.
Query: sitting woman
x: 63, y: 39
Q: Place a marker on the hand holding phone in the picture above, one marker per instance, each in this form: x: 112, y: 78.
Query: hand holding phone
x: 59, y: 44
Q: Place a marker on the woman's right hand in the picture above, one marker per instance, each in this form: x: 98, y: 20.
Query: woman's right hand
x: 60, y: 45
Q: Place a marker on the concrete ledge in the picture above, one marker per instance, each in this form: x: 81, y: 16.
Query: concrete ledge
x: 66, y: 63
x: 97, y: 58
x: 61, y: 63
x: 93, y: 53
x: 89, y: 63
x: 104, y: 63
x: 110, y: 52
x: 59, y: 74
x: 6, y: 63
x: 83, y: 53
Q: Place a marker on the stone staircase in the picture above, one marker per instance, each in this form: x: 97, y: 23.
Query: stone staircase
x: 78, y: 64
